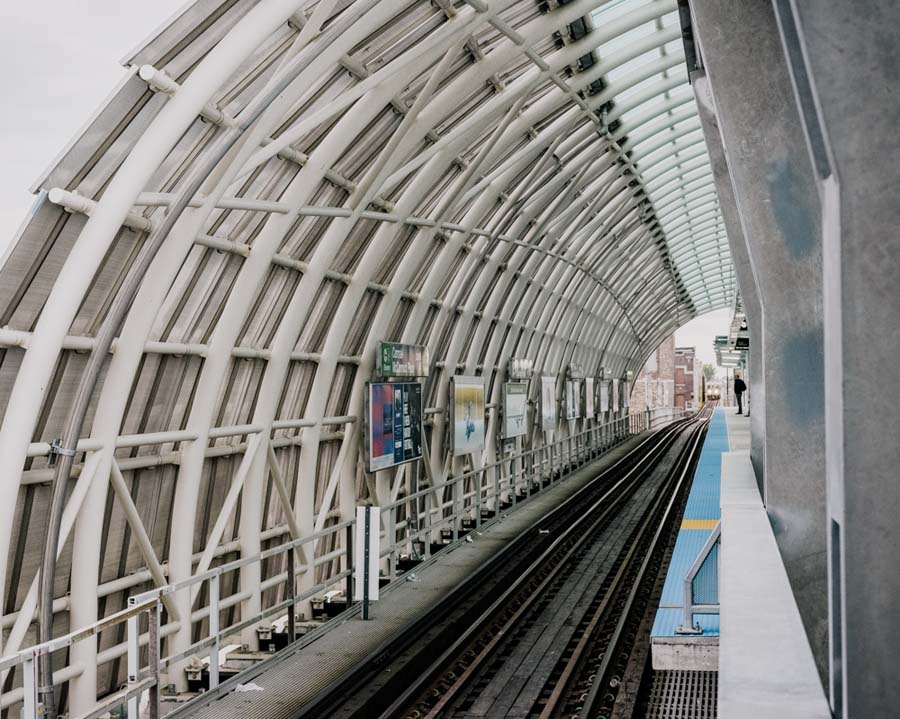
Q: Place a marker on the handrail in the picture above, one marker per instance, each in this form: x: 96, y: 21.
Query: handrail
x: 514, y: 477
x: 688, y: 626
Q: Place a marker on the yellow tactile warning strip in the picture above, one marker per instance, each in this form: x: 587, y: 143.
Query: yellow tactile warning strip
x: 699, y: 523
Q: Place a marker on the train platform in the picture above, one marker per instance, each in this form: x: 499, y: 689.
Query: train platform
x: 755, y: 651
x: 295, y: 675
x: 671, y: 649
x: 766, y: 666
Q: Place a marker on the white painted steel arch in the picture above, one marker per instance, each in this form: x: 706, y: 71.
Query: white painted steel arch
x: 480, y: 177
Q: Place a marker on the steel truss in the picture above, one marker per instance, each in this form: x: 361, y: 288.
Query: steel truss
x: 492, y: 179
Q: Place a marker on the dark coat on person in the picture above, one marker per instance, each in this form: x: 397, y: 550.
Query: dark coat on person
x: 739, y: 386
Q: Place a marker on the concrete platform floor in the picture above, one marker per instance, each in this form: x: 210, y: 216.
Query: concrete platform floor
x: 738, y: 429
x: 295, y: 675
x: 766, y: 666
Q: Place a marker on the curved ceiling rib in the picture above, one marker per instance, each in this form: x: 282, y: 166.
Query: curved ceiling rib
x: 492, y: 179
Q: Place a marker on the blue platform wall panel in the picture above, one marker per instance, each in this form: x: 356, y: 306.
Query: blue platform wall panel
x: 700, y: 516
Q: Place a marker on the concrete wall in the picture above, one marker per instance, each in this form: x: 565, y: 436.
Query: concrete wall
x: 845, y: 63
x: 777, y: 208
x: 745, y: 276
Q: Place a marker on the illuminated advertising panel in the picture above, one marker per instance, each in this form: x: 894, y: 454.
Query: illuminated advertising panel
x: 548, y: 403
x: 467, y: 416
x: 394, y: 418
x: 515, y: 409
x: 615, y: 396
x: 589, y: 397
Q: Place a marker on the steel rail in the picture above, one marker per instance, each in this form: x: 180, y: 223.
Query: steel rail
x: 499, y: 635
x: 611, y: 591
x: 588, y: 638
x: 587, y: 535
x: 601, y: 672
x: 338, y: 693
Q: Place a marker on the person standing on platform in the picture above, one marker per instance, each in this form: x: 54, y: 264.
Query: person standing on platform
x: 739, y: 389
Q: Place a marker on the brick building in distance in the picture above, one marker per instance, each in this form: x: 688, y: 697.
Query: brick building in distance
x: 655, y: 385
x: 688, y: 378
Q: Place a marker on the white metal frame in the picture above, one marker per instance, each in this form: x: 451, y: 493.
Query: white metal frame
x: 510, y: 230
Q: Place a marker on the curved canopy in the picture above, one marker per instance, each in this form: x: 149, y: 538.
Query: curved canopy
x: 492, y: 179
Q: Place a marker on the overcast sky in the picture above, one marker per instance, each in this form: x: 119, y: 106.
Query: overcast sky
x: 701, y: 332
x: 60, y: 60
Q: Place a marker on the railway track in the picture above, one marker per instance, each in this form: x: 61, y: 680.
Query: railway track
x: 547, y: 628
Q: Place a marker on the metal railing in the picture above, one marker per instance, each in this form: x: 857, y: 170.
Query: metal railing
x: 409, y: 525
x: 690, y: 607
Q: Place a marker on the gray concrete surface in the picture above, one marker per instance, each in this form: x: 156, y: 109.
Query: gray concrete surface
x: 845, y: 62
x: 766, y: 666
x: 739, y: 432
x: 742, y: 266
x: 772, y: 179
x: 696, y: 654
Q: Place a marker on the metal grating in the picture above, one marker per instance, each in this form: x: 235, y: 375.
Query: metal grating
x: 681, y: 694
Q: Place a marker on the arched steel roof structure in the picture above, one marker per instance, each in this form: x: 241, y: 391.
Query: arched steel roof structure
x: 492, y: 179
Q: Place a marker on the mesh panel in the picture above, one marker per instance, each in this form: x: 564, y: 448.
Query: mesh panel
x: 681, y: 694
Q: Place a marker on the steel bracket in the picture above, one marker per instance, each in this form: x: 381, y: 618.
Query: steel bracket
x: 56, y: 449
x: 690, y: 631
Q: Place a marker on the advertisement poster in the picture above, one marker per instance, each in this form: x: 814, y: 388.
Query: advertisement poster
x: 515, y: 408
x: 467, y: 414
x: 548, y: 403
x: 604, y: 396
x: 573, y: 398
x: 615, y: 396
x: 589, y: 398
x: 394, y: 416
x: 626, y: 394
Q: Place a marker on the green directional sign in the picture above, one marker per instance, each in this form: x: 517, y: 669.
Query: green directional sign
x: 400, y: 360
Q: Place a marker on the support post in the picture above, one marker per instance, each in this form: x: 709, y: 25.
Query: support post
x: 153, y: 661
x: 365, y: 592
x: 391, y: 534
x: 479, y: 484
x: 348, y: 561
x: 455, y: 504
x: 214, y: 631
x: 497, y: 469
x: 292, y: 596
x: 134, y: 648
x: 428, y: 527
x: 31, y: 707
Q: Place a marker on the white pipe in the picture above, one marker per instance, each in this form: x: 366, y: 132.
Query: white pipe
x: 159, y: 81
x: 167, y: 128
x: 76, y: 203
x: 39, y: 476
x: 140, y: 534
